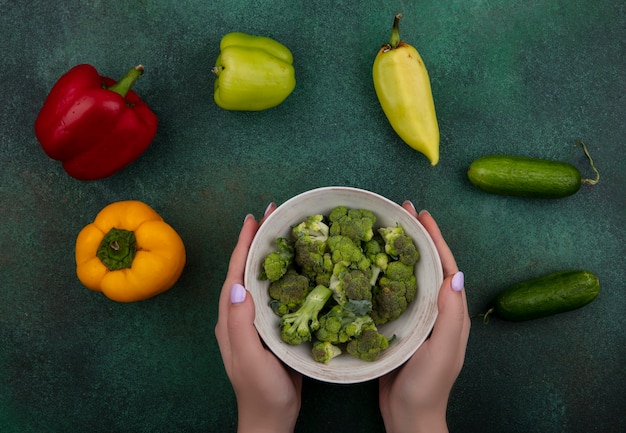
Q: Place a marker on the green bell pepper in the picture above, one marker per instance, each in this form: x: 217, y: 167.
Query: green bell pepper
x: 252, y: 73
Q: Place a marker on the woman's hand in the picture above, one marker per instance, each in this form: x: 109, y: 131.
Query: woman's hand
x: 414, y: 397
x: 268, y: 393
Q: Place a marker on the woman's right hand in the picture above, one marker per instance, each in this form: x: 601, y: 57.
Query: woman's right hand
x: 268, y: 392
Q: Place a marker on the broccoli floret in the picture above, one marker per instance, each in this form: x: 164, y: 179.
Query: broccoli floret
x: 322, y: 277
x: 297, y: 327
x: 399, y: 245
x: 344, y: 251
x: 277, y: 262
x: 399, y: 271
x: 350, y: 284
x: 374, y: 250
x: 310, y: 249
x: 344, y: 322
x: 357, y: 224
x: 312, y: 227
x: 369, y: 345
x: 395, y: 290
x: 312, y: 259
x: 289, y: 292
x: 323, y: 351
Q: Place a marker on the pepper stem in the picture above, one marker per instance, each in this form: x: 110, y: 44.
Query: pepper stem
x: 117, y: 249
x: 394, y: 40
x: 123, y: 86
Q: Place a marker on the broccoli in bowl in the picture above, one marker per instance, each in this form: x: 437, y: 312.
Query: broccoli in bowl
x: 336, y: 278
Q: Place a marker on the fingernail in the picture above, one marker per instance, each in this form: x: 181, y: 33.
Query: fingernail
x: 267, y: 209
x: 248, y: 217
x: 237, y: 294
x: 424, y: 212
x: 458, y: 281
x: 410, y: 203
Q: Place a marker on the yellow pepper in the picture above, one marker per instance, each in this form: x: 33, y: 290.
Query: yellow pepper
x: 403, y: 88
x: 129, y: 253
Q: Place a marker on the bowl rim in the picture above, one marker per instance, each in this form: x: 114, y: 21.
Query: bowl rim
x: 369, y: 370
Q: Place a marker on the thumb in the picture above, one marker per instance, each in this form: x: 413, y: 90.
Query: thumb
x: 242, y: 333
x: 452, y: 325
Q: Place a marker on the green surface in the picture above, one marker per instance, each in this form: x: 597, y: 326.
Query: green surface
x: 527, y: 78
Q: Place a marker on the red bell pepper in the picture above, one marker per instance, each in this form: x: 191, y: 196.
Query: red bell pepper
x: 94, y: 125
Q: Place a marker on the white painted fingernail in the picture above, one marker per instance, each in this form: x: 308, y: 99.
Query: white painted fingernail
x: 248, y: 217
x: 410, y: 203
x: 237, y: 294
x: 458, y: 281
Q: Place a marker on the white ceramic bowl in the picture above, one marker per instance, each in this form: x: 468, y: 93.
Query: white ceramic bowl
x: 411, y: 329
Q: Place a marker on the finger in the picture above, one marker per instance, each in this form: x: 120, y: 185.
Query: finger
x: 408, y: 206
x: 451, y: 330
x: 235, y: 273
x: 242, y: 334
x: 268, y: 211
x: 237, y: 263
x: 447, y: 258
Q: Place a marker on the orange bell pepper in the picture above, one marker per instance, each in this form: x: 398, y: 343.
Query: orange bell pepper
x: 129, y: 253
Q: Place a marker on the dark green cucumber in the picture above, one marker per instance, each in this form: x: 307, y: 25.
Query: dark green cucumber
x: 524, y: 177
x: 528, y: 177
x: 547, y: 295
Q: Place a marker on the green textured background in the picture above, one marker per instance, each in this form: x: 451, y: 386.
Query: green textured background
x: 527, y: 78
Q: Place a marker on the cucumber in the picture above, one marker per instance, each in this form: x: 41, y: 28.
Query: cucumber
x: 547, y: 295
x: 528, y: 177
x: 524, y: 177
